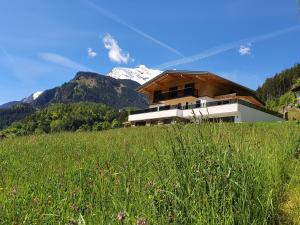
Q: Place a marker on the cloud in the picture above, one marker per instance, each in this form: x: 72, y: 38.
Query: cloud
x: 119, y: 20
x: 245, y: 50
x: 115, y: 53
x: 226, y: 47
x: 91, y: 53
x: 63, y: 61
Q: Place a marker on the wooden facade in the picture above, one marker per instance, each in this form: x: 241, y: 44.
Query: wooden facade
x: 186, y: 87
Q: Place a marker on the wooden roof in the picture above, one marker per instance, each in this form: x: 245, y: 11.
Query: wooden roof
x: 170, y: 76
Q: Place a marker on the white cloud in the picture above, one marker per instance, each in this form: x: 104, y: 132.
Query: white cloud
x: 63, y: 61
x: 122, y: 22
x: 245, y: 50
x: 227, y: 47
x: 115, y: 53
x: 91, y: 53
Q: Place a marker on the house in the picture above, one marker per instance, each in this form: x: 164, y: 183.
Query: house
x: 186, y: 95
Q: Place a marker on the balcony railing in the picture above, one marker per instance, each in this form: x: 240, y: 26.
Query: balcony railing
x: 208, y: 104
x: 176, y: 94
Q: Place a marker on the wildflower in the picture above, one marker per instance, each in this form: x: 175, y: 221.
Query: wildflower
x: 14, y: 192
x: 141, y: 221
x: 121, y: 216
x: 150, y: 185
x: 72, y: 222
x: 229, y: 173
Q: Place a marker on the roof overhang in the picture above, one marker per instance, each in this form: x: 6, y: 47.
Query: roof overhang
x: 201, y: 75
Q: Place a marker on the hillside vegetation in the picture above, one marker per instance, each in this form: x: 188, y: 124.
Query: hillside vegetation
x: 193, y: 174
x: 276, y: 92
x: 274, y: 87
x: 68, y: 117
x: 15, y: 113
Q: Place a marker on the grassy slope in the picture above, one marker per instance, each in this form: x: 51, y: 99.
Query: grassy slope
x: 207, y: 174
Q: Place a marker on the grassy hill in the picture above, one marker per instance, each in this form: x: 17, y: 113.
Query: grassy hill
x: 193, y: 174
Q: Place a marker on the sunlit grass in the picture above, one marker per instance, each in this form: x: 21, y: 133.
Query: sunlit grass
x: 195, y: 174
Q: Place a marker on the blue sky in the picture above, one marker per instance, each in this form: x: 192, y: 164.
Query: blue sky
x: 44, y: 43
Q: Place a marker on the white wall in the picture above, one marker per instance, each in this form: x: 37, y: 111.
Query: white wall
x: 213, y: 111
x: 248, y: 114
x: 155, y: 115
x: 242, y: 113
x: 205, y: 99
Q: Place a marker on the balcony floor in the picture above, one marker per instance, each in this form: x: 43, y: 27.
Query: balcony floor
x: 181, y: 100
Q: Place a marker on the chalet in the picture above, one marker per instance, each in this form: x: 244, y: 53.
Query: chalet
x: 186, y: 95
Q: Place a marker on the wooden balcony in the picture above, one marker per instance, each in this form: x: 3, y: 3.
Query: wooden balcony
x: 181, y: 95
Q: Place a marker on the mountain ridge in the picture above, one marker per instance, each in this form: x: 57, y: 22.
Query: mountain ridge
x: 94, y: 87
x: 139, y: 74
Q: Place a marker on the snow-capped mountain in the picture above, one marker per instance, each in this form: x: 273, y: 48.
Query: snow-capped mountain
x: 140, y: 74
x: 28, y: 100
x: 32, y: 97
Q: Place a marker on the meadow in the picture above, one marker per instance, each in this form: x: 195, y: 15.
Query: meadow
x: 210, y: 173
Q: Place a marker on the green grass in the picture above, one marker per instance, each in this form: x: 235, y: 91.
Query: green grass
x: 194, y: 174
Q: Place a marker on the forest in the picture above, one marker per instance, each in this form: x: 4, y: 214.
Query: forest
x: 274, y: 87
x: 69, y: 117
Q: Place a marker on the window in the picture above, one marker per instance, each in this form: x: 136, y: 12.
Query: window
x: 222, y: 119
x: 189, y: 89
x: 190, y: 85
x: 157, y: 96
x: 173, y: 92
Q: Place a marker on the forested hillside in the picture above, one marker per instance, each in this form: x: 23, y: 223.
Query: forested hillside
x: 15, y: 113
x: 84, y: 87
x: 69, y: 117
x: 277, y: 94
x: 278, y: 85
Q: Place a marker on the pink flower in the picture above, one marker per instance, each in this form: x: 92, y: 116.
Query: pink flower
x: 121, y: 216
x: 141, y: 221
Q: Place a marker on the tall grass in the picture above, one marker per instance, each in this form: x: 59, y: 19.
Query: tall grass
x: 194, y: 174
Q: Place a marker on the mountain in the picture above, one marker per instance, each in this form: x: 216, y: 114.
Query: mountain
x: 93, y: 87
x: 84, y: 87
x: 32, y: 97
x: 115, y: 89
x: 9, y: 104
x: 140, y: 74
x: 28, y: 100
x: 89, y: 87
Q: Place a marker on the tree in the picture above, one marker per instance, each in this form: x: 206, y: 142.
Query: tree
x: 287, y: 99
x: 69, y: 117
x: 115, y: 123
x: 106, y: 125
x: 57, y: 125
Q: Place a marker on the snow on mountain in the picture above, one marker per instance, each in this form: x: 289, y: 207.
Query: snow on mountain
x: 36, y: 94
x: 28, y: 100
x: 32, y: 97
x: 140, y: 74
